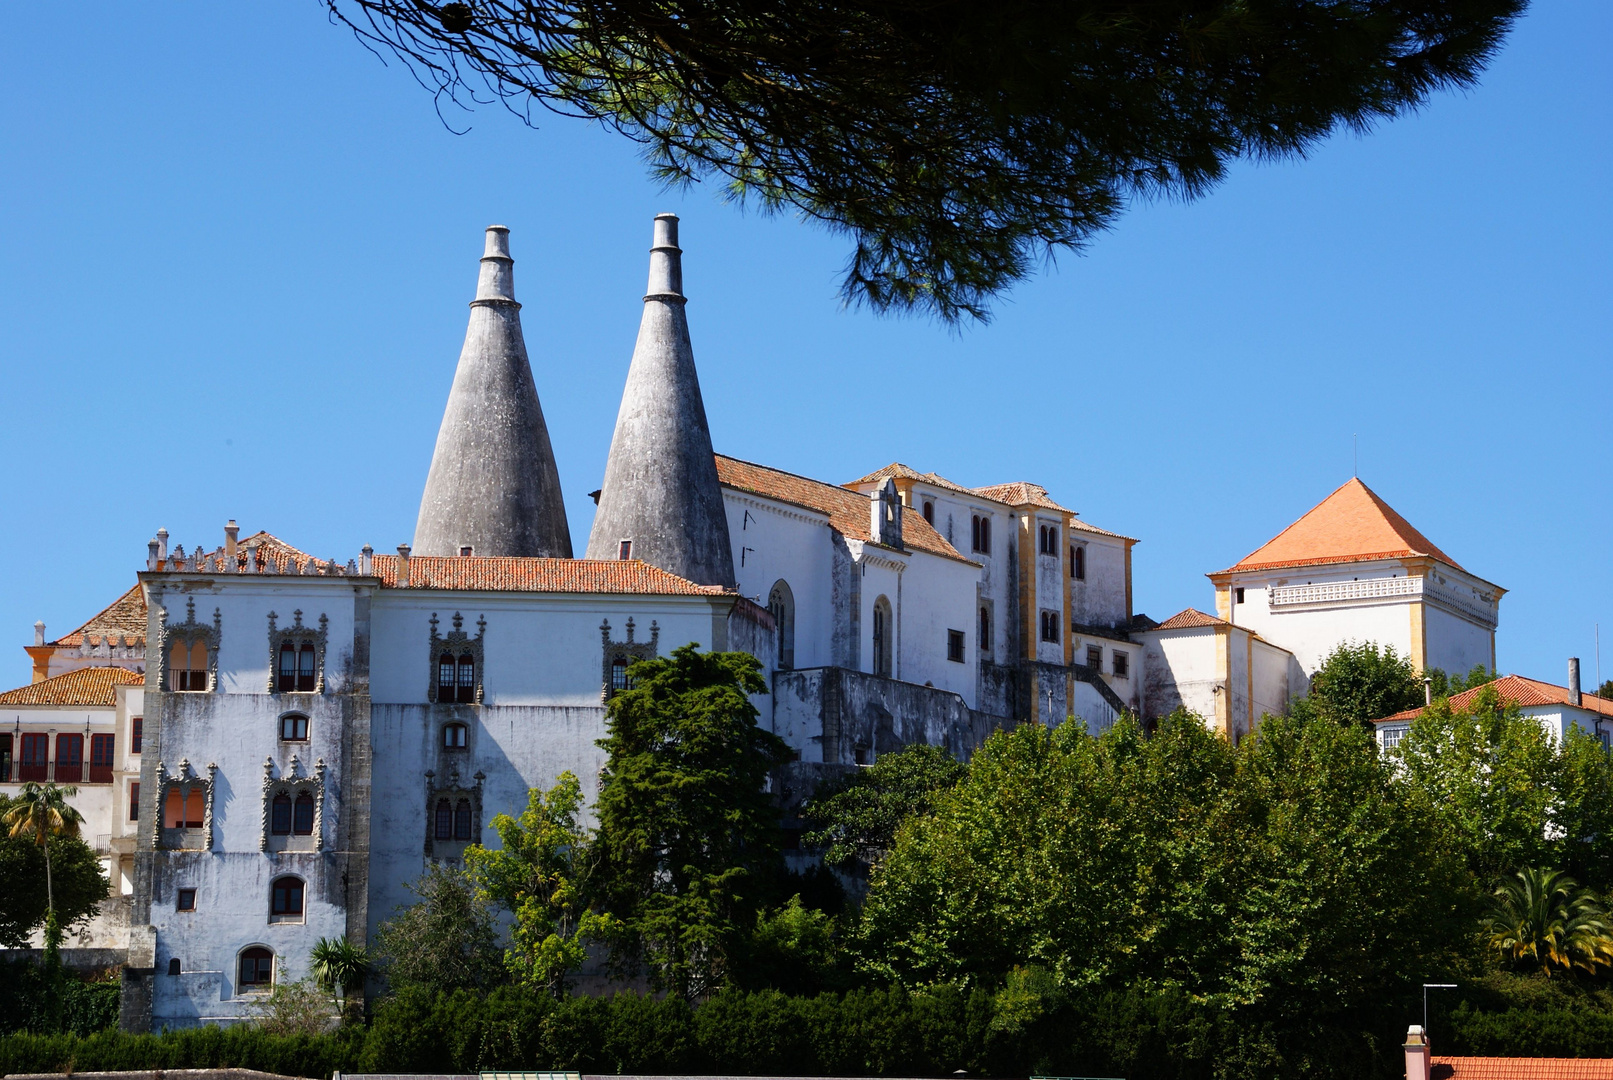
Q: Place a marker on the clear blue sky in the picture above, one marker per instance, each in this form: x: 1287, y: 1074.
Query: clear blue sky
x: 237, y: 253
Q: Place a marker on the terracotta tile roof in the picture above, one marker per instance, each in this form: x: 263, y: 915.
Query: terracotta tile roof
x: 286, y: 558
x: 86, y: 686
x: 479, y: 573
x: 1514, y: 1068
x: 1080, y: 526
x: 1516, y: 690
x: 1350, y: 525
x: 847, y: 510
x: 1021, y: 493
x: 907, y: 472
x: 125, y: 617
x: 1190, y: 619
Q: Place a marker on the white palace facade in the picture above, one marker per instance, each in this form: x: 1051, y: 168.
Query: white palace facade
x: 271, y: 745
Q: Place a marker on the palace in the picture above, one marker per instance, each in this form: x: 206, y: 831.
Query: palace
x: 277, y: 743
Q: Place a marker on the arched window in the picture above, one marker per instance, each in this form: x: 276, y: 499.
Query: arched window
x: 445, y: 678
x: 454, y: 736
x: 280, y: 815
x: 302, y: 820
x: 294, y: 727
x: 1049, y: 540
x: 980, y: 534
x: 985, y: 629
x: 305, y: 668
x: 882, y: 636
x: 781, y: 605
x: 467, y: 680
x: 173, y: 965
x: 929, y: 511
x: 187, y: 666
x: 288, y: 667
x: 1078, y: 562
x: 256, y: 969
x: 618, y: 675
x: 445, y: 820
x: 285, y: 899
x: 462, y: 820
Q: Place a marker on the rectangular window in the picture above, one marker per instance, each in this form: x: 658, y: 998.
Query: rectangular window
x: 1392, y: 737
x: 1095, y: 657
x: 186, y: 900
x: 955, y: 646
x: 35, y: 755
x: 625, y: 550
x: 137, y: 728
x: 69, y: 758
x: 1237, y: 595
x: 1122, y: 664
x: 101, y: 759
x: 134, y: 801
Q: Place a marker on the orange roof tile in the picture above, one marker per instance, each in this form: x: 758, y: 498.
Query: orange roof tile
x: 125, y: 617
x: 508, y: 574
x: 907, y: 472
x: 1190, y: 619
x: 1516, y: 690
x: 847, y: 510
x: 86, y: 686
x: 1517, y: 1068
x: 1350, y: 525
x: 1021, y: 493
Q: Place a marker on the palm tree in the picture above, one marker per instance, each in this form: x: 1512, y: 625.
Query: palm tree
x: 340, y: 966
x: 43, y: 810
x: 1544, y: 917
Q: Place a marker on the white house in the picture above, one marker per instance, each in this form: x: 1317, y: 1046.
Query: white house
x: 1557, y: 708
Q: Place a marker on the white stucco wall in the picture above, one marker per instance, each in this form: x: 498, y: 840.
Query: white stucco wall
x: 774, y: 541
x: 1455, y: 643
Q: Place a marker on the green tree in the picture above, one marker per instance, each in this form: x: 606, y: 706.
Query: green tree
x: 446, y: 941
x: 793, y: 949
x: 340, y: 968
x: 1292, y: 875
x: 688, y: 838
x: 78, y: 882
x: 1358, y: 683
x: 957, y: 144
x: 1491, y: 776
x: 854, y: 819
x: 1544, y: 919
x: 1583, y: 813
x: 536, y: 875
x: 39, y: 812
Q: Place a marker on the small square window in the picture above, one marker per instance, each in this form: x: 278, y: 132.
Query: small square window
x: 1237, y: 595
x: 1095, y: 657
x: 955, y: 646
x: 625, y: 550
x: 1122, y: 664
x: 186, y: 900
x: 294, y: 727
x: 466, y: 551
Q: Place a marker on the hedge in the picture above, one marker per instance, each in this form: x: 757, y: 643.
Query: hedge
x: 36, y: 998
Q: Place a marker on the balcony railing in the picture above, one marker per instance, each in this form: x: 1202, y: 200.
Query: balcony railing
x: 100, y: 774
x: 33, y: 770
x: 69, y: 772
x: 17, y: 772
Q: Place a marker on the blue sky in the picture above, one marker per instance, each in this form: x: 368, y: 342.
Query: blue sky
x: 238, y: 249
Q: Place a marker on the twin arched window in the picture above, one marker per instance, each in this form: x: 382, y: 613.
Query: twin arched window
x: 1048, y: 540
x: 453, y: 820
x: 297, y: 668
x: 187, y: 666
x: 456, y: 679
x: 980, y: 534
x: 288, y: 817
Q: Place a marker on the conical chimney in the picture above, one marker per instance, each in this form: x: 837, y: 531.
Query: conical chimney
x: 661, y: 501
x: 493, y: 488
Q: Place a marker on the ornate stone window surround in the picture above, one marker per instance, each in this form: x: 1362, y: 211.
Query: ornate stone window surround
x: 292, y: 783
x: 297, y: 635
x: 628, y: 650
x: 453, y: 789
x: 190, y: 632
x: 184, y: 780
x: 457, y: 643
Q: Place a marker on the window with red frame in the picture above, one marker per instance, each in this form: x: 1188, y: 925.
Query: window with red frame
x: 101, y: 758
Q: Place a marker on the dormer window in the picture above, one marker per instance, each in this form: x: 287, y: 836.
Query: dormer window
x: 466, y: 551
x: 625, y: 550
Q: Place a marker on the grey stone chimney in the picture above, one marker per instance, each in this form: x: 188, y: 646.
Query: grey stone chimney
x: 661, y: 493
x: 162, y: 545
x: 232, y: 536
x: 1574, y: 697
x: 39, y: 632
x: 493, y: 483
x: 152, y: 562
x: 885, y: 516
x: 366, y: 560
x: 403, y: 566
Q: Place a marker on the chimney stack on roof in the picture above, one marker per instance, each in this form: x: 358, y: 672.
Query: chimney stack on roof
x: 661, y: 491
x: 885, y: 510
x: 162, y: 545
x: 403, y: 566
x: 153, y: 562
x: 366, y: 560
x: 232, y: 536
x: 39, y: 632
x: 493, y: 483
x: 1418, y: 1063
x: 1574, y: 697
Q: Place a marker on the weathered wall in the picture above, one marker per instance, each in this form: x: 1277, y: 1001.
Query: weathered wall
x: 831, y: 715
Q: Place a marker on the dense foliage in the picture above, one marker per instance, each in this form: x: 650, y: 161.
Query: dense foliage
x: 446, y: 941
x: 854, y: 819
x: 76, y: 880
x: 1358, y: 683
x: 45, y: 998
x: 957, y: 144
